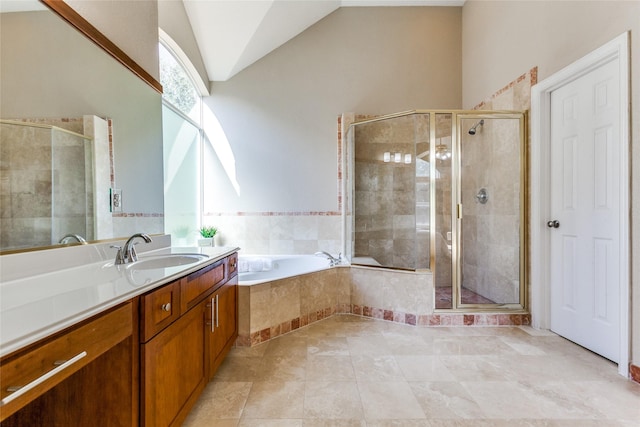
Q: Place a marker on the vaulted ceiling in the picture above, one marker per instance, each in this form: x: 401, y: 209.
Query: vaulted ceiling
x: 233, y: 34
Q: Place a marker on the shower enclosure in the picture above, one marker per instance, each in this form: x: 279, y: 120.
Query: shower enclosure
x: 442, y: 191
x: 47, y: 186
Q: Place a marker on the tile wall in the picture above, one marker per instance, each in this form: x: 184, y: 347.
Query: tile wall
x: 490, y: 265
x: 43, y: 198
x: 490, y: 254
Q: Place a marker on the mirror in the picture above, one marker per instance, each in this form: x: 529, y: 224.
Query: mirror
x: 51, y: 73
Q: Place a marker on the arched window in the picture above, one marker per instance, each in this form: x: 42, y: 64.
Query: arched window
x: 177, y: 86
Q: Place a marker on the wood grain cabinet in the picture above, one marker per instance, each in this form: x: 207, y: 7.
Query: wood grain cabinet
x: 178, y: 358
x: 144, y: 362
x: 173, y: 370
x: 68, y: 379
x: 223, y: 323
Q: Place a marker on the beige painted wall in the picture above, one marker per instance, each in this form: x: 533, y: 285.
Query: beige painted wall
x: 502, y: 40
x: 131, y: 24
x: 279, y: 115
x: 49, y: 69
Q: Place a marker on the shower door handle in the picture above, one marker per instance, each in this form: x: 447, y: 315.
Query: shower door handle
x: 553, y: 224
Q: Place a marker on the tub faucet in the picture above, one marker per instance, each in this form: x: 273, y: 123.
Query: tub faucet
x: 69, y: 237
x: 333, y: 260
x: 127, y: 253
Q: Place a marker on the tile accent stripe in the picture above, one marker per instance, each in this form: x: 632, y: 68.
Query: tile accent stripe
x: 423, y: 320
x: 300, y: 213
x: 137, y: 215
x: 533, y: 77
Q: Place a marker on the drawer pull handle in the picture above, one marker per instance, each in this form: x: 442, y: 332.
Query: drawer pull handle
x: 213, y: 315
x: 18, y: 391
x: 217, y: 317
x: 166, y: 307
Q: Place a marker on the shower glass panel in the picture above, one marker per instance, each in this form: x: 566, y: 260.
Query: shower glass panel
x: 391, y: 193
x: 444, y: 231
x: 72, y: 190
x: 47, y: 189
x: 491, y: 198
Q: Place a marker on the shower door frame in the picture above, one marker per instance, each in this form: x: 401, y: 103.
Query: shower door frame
x: 457, y: 211
x: 456, y: 203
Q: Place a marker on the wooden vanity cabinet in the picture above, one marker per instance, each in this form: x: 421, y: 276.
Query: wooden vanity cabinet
x: 97, y: 385
x: 173, y: 370
x: 178, y: 358
x: 223, y: 323
x: 144, y: 362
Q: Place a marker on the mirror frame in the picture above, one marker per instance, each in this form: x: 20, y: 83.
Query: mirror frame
x: 68, y: 14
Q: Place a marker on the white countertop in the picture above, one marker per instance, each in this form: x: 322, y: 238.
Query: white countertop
x: 35, y: 306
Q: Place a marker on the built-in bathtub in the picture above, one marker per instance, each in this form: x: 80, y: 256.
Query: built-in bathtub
x: 256, y: 269
x: 292, y: 291
x: 281, y: 293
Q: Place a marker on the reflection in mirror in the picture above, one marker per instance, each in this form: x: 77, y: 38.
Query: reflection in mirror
x: 52, y: 75
x: 49, y: 177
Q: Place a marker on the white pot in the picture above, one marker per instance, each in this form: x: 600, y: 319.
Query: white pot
x: 207, y: 241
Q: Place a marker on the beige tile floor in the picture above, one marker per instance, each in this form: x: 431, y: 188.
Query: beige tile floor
x: 354, y: 371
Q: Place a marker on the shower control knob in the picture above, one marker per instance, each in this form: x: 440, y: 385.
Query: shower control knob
x: 553, y: 224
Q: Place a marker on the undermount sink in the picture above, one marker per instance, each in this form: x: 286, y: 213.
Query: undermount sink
x: 166, y: 261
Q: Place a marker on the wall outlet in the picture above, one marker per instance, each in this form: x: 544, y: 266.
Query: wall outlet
x: 116, y: 199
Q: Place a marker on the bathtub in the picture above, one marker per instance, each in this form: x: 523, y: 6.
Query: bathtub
x: 255, y: 269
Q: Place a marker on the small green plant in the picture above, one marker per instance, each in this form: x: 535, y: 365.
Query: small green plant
x: 208, y: 231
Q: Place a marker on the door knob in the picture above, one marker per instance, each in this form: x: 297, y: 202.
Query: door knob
x: 553, y: 224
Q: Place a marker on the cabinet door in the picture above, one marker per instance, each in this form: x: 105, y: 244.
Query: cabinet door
x: 98, y: 382
x: 225, y: 323
x: 173, y: 370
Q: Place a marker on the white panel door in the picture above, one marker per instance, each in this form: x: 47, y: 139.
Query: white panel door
x: 584, y: 223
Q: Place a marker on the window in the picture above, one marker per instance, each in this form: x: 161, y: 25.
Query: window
x: 182, y: 147
x: 178, y: 88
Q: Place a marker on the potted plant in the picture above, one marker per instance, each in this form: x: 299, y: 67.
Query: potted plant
x: 207, y: 233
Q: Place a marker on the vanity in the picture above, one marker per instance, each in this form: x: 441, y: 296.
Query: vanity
x: 121, y: 345
x: 84, y: 341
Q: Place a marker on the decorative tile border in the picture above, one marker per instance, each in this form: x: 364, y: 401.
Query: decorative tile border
x: 533, y: 78
x: 423, y: 320
x: 137, y: 215
x: 297, y: 213
x: 266, y: 334
x: 447, y: 319
x: 112, y: 171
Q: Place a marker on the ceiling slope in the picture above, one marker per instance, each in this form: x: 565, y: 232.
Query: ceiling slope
x: 233, y: 34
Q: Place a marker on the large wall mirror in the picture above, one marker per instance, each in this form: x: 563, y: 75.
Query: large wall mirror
x: 52, y: 75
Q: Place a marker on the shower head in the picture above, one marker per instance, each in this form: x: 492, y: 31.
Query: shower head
x: 472, y: 131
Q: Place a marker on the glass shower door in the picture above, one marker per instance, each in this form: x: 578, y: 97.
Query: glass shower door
x: 490, y: 221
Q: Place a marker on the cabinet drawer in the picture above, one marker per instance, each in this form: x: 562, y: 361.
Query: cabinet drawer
x: 233, y: 264
x: 159, y: 309
x: 199, y: 283
x: 42, y: 367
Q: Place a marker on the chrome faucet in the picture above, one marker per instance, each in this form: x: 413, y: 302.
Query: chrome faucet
x: 333, y: 260
x: 127, y: 253
x: 67, y: 239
